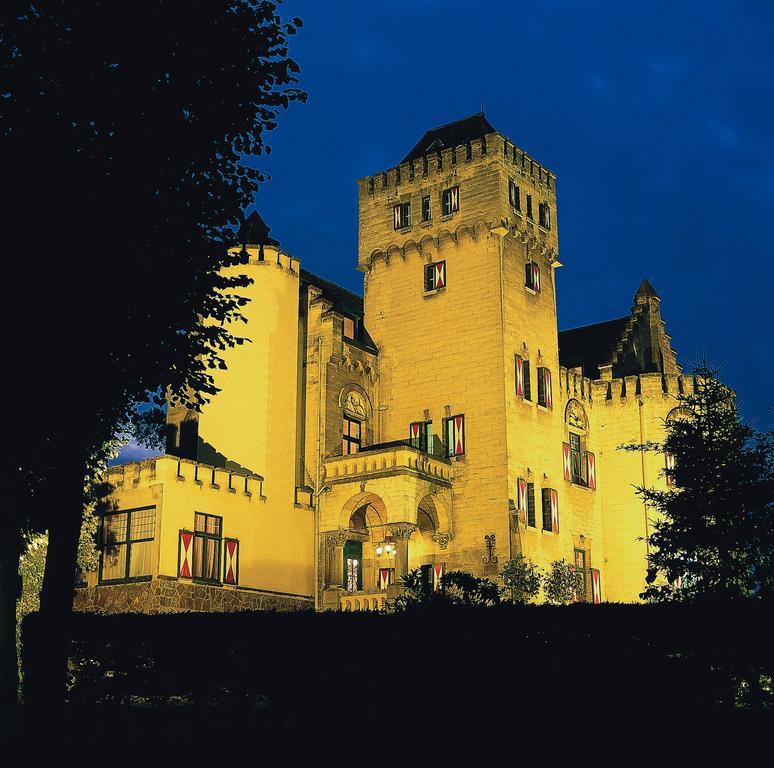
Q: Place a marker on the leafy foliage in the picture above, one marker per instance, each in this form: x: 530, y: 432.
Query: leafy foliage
x: 713, y: 534
x: 457, y: 587
x: 521, y: 579
x: 563, y: 583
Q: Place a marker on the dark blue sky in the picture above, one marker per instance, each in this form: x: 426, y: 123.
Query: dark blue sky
x: 657, y: 118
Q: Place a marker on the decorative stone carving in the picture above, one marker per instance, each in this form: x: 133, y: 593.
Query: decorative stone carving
x: 441, y: 539
x: 355, y: 404
x: 336, y: 538
x: 402, y: 531
x: 575, y: 415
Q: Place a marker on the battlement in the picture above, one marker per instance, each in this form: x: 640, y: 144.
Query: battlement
x: 148, y: 472
x: 438, y: 165
x: 626, y: 389
x: 267, y: 256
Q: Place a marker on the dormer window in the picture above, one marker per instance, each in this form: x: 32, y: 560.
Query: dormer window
x: 350, y: 328
x: 402, y: 215
x: 451, y: 200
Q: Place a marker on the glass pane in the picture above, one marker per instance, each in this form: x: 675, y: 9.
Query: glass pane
x: 140, y: 559
x: 212, y: 559
x: 354, y: 429
x: 114, y: 529
x: 198, y: 557
x: 353, y: 448
x: 213, y: 525
x: 199, y: 522
x: 114, y: 562
x: 143, y: 524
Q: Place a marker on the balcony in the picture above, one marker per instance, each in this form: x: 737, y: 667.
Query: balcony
x: 397, y: 456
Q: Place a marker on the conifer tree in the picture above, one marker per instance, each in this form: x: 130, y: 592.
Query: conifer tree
x: 713, y: 534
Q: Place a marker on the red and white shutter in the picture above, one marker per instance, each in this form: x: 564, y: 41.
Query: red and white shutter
x: 566, y: 462
x: 439, y: 274
x: 384, y: 578
x: 596, y: 587
x: 591, y: 470
x: 535, y: 277
x: 396, y: 216
x: 670, y: 464
x: 549, y: 393
x: 455, y: 199
x: 414, y: 428
x: 459, y: 435
x: 437, y: 576
x: 554, y: 496
x: 230, y: 561
x: 519, y: 376
x: 521, y: 495
x: 185, y: 555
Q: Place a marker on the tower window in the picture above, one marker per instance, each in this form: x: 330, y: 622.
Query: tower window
x: 531, y: 505
x: 544, y: 215
x: 451, y: 200
x: 523, y: 388
x: 349, y: 328
x: 576, y: 459
x: 545, y: 391
x: 435, y: 276
x: 514, y: 195
x: 351, y: 437
x: 532, y: 276
x: 426, y: 215
x: 402, y: 215
x: 529, y: 207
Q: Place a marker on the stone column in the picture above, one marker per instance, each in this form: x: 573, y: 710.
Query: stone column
x: 401, y: 533
x: 334, y: 558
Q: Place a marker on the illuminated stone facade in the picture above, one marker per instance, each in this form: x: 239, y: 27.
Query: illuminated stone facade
x: 440, y: 421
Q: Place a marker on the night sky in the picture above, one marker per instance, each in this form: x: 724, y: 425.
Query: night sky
x: 656, y: 117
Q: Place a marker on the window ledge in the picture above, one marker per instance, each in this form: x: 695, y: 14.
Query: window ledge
x: 549, y: 533
x: 544, y: 408
x: 403, y: 230
x: 434, y: 292
x: 425, y: 223
x: 447, y: 216
x: 530, y: 290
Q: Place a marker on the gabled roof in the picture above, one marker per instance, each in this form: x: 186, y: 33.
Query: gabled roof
x: 451, y: 135
x: 646, y: 289
x: 343, y: 300
x: 591, y: 345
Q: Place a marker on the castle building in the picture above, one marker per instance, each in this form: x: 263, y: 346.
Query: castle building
x: 440, y: 421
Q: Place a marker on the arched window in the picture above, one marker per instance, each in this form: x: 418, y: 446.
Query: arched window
x: 578, y: 462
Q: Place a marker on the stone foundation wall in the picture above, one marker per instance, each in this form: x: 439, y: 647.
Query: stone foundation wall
x: 171, y: 596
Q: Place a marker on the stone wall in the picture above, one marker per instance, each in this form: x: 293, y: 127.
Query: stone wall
x: 168, y: 595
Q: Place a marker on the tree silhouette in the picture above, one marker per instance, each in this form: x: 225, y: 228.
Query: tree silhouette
x: 123, y: 129
x: 713, y: 536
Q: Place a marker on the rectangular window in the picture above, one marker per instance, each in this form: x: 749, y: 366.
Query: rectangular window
x: 514, y: 195
x: 421, y: 435
x: 545, y: 393
x: 351, y: 436
x: 455, y: 435
x: 529, y: 207
x: 544, y: 215
x: 451, y: 200
x: 576, y: 459
x: 531, y: 512
x: 127, y: 544
x: 426, y: 214
x: 532, y: 276
x: 349, y: 328
x: 402, y: 215
x: 208, y: 530
x: 435, y: 276
x: 580, y: 567
x: 550, y: 510
x: 527, y: 381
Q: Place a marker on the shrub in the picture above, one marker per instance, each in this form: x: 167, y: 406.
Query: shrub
x: 521, y: 579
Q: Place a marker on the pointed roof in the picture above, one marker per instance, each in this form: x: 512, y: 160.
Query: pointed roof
x: 591, y: 345
x: 451, y: 135
x: 255, y: 231
x: 646, y: 289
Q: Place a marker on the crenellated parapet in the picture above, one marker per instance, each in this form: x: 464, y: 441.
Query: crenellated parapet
x: 149, y: 472
x: 266, y: 256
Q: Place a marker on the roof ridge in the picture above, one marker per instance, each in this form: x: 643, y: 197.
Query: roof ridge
x: 592, y: 325
x: 315, y: 276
